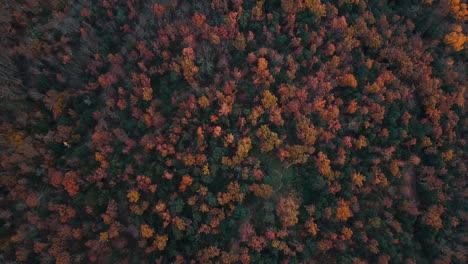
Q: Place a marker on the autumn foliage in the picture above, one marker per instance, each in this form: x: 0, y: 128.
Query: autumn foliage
x: 233, y: 131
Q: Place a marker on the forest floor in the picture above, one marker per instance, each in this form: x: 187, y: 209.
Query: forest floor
x: 410, y: 184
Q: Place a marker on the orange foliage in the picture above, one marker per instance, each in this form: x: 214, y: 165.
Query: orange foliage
x: 160, y: 242
x: 347, y: 233
x: 456, y: 40
x: 217, y: 131
x: 186, y: 182
x: 432, y: 217
x: 360, y: 143
x: 147, y: 93
x: 198, y: 19
x: 55, y: 102
x: 343, y: 212
x: 146, y: 231
x: 325, y: 245
x: 323, y: 164
x: 159, y: 10
x: 395, y: 167
x: 55, y: 177
x: 306, y: 131
x: 70, y: 184
x: 348, y: 80
x: 286, y: 210
x: 311, y: 226
x: 262, y: 74
x: 352, y: 107
x: 374, y: 246
x: 459, y: 10
x: 296, y: 154
x: 88, y: 115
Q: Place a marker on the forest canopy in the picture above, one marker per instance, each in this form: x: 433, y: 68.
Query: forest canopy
x: 233, y: 131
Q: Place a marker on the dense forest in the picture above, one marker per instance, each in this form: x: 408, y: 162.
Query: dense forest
x: 233, y: 131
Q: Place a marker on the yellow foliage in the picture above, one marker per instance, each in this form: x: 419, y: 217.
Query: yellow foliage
x: 297, y: 154
x: 448, y: 155
x: 103, y: 236
x: 358, y: 179
x: 374, y: 246
x: 361, y: 142
x: 269, y: 139
x: 257, y: 11
x: 375, y: 222
x: 373, y: 88
x: 306, y: 131
x: 245, y: 145
x: 233, y: 194
x: 292, y: 6
x: 426, y: 142
x: 257, y: 111
x: 275, y: 243
x: 189, y: 69
x: 262, y: 190
x: 269, y: 100
x: 203, y: 102
x: 15, y: 138
x: 316, y: 7
x: 239, y: 42
x: 133, y: 196
x: 206, y: 169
